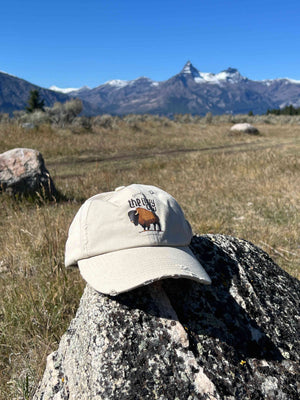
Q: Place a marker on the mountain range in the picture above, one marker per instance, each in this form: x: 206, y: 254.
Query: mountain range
x: 189, y: 91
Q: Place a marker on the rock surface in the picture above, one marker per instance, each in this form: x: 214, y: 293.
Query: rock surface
x: 23, y: 171
x: 177, y: 339
x: 245, y: 128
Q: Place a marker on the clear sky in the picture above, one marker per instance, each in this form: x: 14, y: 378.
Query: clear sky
x: 71, y: 43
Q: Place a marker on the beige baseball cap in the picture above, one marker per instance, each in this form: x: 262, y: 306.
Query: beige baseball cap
x: 131, y: 237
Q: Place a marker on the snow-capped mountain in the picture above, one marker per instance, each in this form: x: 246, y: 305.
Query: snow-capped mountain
x: 117, y: 83
x: 230, y: 75
x: 193, y: 91
x: 190, y: 91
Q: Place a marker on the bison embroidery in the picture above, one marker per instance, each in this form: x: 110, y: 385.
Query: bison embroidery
x: 145, y: 218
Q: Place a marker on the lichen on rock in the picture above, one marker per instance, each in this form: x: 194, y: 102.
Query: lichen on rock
x: 235, y: 339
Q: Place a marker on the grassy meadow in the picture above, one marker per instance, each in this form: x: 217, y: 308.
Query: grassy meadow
x: 236, y: 184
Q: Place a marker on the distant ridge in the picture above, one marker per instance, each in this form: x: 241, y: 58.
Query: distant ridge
x: 14, y: 93
x: 189, y: 91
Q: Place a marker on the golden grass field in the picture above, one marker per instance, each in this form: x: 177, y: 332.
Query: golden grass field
x: 236, y: 184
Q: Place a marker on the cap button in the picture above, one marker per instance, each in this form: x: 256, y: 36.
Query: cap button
x: 119, y: 188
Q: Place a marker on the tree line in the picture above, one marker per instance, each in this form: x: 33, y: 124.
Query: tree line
x: 287, y: 110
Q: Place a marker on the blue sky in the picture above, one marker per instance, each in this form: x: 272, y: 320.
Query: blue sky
x: 87, y: 42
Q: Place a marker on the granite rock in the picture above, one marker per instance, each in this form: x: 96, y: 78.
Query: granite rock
x: 177, y: 339
x: 245, y: 128
x: 23, y: 171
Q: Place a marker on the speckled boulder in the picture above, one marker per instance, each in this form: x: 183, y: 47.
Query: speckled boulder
x: 237, y: 339
x: 245, y: 128
x: 23, y: 171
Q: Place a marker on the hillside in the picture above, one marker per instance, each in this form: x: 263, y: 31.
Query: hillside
x: 14, y: 93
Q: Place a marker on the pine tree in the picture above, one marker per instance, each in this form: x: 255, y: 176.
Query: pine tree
x: 34, y: 102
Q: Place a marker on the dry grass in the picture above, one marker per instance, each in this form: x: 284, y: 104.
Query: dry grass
x: 242, y: 185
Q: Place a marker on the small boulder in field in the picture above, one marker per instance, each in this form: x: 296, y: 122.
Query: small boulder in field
x: 244, y: 128
x: 23, y: 171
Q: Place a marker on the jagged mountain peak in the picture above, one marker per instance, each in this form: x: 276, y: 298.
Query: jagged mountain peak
x: 189, y: 69
x: 231, y: 75
x: 230, y: 70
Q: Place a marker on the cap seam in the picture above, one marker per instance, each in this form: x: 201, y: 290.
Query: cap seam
x: 85, y: 230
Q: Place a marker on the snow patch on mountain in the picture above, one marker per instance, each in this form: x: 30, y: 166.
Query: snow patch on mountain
x: 143, y: 80
x: 230, y: 75
x: 269, y: 82
x: 224, y: 76
x: 118, y: 83
x: 67, y: 90
x: 293, y: 81
x: 221, y: 77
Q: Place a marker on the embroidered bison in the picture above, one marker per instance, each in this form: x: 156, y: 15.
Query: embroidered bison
x: 145, y: 218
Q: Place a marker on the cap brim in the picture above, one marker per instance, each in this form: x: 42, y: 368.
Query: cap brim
x: 124, y: 270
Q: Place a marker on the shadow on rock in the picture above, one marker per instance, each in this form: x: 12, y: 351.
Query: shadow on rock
x: 211, y: 312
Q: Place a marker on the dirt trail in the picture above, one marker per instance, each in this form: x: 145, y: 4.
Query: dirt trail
x: 226, y: 149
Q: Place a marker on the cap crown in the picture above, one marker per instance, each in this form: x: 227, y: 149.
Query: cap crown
x: 130, y: 217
